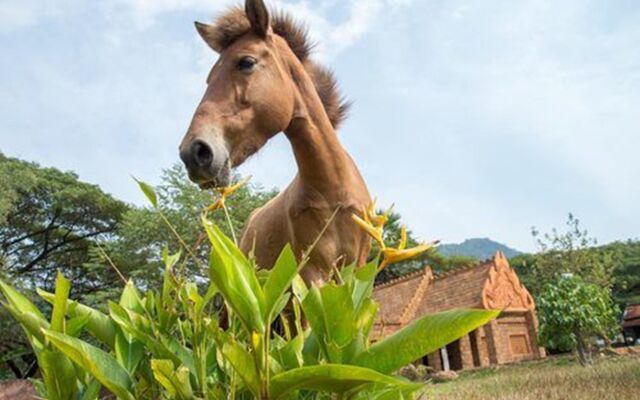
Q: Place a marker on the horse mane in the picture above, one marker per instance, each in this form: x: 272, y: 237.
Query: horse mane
x: 233, y: 24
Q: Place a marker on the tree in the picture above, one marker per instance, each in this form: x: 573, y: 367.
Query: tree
x: 143, y: 233
x: 572, y: 313
x: 572, y: 252
x: 49, y: 220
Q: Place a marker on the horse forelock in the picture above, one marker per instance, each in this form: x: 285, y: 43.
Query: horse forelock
x: 234, y: 24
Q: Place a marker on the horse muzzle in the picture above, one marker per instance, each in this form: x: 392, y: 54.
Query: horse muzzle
x: 207, y: 163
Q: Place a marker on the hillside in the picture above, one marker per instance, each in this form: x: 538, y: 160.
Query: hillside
x: 479, y: 248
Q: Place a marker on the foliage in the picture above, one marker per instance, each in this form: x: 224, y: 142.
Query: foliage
x: 573, y: 251
x: 626, y: 275
x: 48, y: 219
x: 143, y: 232
x: 572, y: 313
x: 168, y: 343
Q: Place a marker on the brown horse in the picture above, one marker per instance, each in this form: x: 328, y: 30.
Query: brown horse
x: 264, y: 83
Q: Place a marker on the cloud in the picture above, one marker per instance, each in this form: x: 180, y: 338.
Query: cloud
x: 475, y: 118
x: 20, y: 14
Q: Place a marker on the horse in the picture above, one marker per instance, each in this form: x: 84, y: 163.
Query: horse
x: 265, y: 83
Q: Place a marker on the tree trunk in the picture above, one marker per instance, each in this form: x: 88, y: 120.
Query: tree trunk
x: 584, y: 351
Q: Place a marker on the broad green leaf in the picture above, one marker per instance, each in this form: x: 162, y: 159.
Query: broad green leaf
x: 339, y: 318
x: 92, y: 391
x: 422, y: 337
x: 31, y: 324
x: 363, y: 283
x: 236, y: 279
x: 18, y: 301
x: 59, y: 376
x: 243, y: 364
x: 130, y: 298
x: 99, y: 325
x: 176, y: 382
x: 299, y: 288
x: 128, y: 352
x: 96, y: 362
x: 290, y: 355
x: 236, y: 291
x: 137, y: 326
x: 76, y: 325
x: 280, y: 278
x: 328, y: 378
x: 63, y: 287
x: 149, y: 192
x: 330, y: 314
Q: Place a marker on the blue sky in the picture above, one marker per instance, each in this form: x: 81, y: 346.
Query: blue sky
x: 478, y: 119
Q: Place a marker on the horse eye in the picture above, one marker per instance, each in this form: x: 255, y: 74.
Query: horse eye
x: 246, y: 64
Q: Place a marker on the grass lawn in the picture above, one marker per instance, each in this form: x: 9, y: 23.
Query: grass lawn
x: 616, y: 378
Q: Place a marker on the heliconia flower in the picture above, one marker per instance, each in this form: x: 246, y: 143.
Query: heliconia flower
x: 226, y: 192
x: 377, y: 220
x: 373, y: 231
x: 391, y: 255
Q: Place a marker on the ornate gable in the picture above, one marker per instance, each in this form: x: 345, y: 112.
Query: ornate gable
x: 503, y: 289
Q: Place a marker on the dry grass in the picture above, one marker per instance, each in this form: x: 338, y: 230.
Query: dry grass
x: 615, y: 378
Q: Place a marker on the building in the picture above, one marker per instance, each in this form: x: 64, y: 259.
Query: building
x: 631, y: 323
x: 492, y: 284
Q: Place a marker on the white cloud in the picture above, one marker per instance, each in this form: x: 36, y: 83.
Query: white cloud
x: 17, y: 14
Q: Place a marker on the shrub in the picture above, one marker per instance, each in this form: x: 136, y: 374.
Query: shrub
x: 168, y: 343
x: 573, y: 313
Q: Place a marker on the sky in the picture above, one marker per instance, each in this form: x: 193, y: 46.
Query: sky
x: 477, y: 119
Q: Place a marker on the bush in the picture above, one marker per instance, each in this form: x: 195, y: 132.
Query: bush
x: 573, y: 313
x: 168, y: 343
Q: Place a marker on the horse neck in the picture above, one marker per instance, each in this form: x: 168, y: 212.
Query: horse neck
x: 323, y: 164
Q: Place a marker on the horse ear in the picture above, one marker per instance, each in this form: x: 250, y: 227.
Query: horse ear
x: 207, y: 33
x: 258, y: 16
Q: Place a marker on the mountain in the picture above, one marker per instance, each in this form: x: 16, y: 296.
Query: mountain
x: 479, y: 248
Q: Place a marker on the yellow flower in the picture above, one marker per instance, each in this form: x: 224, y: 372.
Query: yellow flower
x: 391, y: 255
x: 372, y: 222
x: 377, y: 220
x: 255, y: 340
x: 225, y: 192
x: 373, y: 231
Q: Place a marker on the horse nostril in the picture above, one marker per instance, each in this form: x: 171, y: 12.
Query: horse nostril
x: 201, y: 153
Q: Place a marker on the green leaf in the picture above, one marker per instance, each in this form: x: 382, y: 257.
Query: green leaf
x: 363, y: 283
x: 98, y: 325
x: 31, y: 324
x: 130, y: 298
x: 236, y: 279
x: 328, y: 378
x: 59, y: 376
x: 96, y: 362
x: 63, y: 287
x: 128, y: 352
x: 422, y: 337
x: 18, y: 301
x: 149, y: 192
x: 243, y: 364
x: 279, y: 280
x: 176, y: 382
x: 331, y: 315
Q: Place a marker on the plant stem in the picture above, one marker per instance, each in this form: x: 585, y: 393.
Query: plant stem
x: 233, y: 231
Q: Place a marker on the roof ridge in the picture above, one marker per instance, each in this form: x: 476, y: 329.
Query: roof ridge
x: 412, y: 305
x: 467, y: 268
x: 403, y: 278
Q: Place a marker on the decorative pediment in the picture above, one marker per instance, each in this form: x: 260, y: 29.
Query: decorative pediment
x: 503, y: 289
